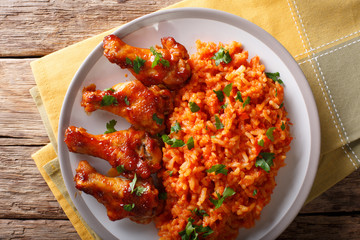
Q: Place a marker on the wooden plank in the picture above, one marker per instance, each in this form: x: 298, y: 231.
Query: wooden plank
x: 20, y: 122
x: 23, y: 192
x: 37, y: 229
x: 38, y: 27
x: 343, y: 197
x: 323, y: 227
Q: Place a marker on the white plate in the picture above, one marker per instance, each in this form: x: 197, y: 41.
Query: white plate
x: 187, y: 25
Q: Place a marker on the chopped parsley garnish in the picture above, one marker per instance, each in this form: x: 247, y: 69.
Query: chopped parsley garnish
x: 136, y: 64
x: 199, y: 212
x: 173, y: 142
x: 132, y: 184
x: 126, y: 100
x: 218, y: 168
x: 192, y: 231
x: 170, y: 173
x: 158, y: 58
x: 274, y: 76
x: 239, y: 97
x: 228, y: 192
x: 109, y: 89
x: 219, y: 95
x: 261, y: 142
x: 223, y: 106
x: 222, y: 56
x: 129, y: 207
x: 281, y: 105
x: 163, y: 196
x: 269, y: 133
x: 108, y: 100
x: 282, y: 126
x: 276, y: 92
x: 265, y: 160
x: 218, y: 123
x: 120, y: 168
x: 190, y: 143
x: 176, y: 128
x: 255, y: 192
x: 227, y: 89
x: 247, y: 101
x: 110, y: 126
x: 159, y: 121
x: 194, y: 107
x: 139, y: 190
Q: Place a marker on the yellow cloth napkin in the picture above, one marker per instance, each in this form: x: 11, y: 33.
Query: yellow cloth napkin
x: 325, y: 45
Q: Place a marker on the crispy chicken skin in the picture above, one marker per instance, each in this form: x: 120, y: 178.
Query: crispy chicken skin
x: 173, y: 76
x: 115, y: 193
x: 134, y: 102
x: 135, y: 150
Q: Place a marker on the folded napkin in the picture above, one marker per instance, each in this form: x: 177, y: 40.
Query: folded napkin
x: 325, y: 45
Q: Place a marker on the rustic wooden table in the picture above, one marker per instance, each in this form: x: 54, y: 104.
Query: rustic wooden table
x: 28, y: 210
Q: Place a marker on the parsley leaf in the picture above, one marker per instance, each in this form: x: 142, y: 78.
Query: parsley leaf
x: 261, y: 142
x: 274, y: 76
x: 255, y: 192
x: 281, y: 105
x: 282, y: 126
x: 194, y: 107
x: 222, y: 56
x: 218, y: 168
x: 199, y: 212
x: 218, y: 123
x: 138, y: 63
x: 265, y: 160
x: 176, y: 128
x: 173, y: 142
x: 110, y: 126
x: 239, y: 97
x: 170, y: 173
x: 126, y: 100
x: 159, y: 121
x: 223, y: 106
x: 247, y: 101
x: 108, y: 100
x: 120, y: 168
x: 227, y: 89
x: 132, y: 184
x: 109, y: 89
x: 128, y: 61
x: 269, y: 133
x: 129, y: 207
x: 139, y: 190
x: 163, y: 196
x: 219, y: 95
x: 190, y: 143
x: 228, y: 192
x: 192, y: 232
x: 158, y: 58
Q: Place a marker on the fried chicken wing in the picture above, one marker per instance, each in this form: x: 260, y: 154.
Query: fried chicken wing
x: 145, y: 108
x: 135, y: 150
x: 139, y: 203
x: 171, y: 69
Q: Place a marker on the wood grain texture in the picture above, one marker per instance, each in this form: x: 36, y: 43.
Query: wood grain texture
x: 39, y: 27
x: 37, y: 229
x: 28, y: 210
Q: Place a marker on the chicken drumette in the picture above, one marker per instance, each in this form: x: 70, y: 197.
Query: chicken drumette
x: 138, y: 202
x: 135, y: 151
x: 167, y: 66
x: 145, y: 108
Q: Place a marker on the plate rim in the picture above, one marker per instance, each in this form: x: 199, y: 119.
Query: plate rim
x: 236, y: 21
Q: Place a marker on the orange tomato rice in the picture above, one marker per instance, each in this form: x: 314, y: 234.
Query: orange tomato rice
x: 237, y: 145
